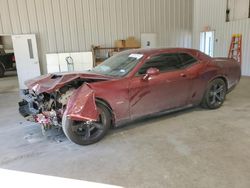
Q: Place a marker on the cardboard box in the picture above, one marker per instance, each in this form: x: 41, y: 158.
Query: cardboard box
x: 131, y: 42
x: 120, y: 43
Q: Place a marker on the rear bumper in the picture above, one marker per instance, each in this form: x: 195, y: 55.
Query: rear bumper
x: 233, y: 85
x: 231, y: 89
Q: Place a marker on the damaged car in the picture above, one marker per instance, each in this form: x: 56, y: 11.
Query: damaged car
x: 130, y: 85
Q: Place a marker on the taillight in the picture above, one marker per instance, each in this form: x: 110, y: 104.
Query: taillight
x: 13, y: 58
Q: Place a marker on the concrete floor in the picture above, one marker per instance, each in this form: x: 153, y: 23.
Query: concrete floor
x: 192, y: 148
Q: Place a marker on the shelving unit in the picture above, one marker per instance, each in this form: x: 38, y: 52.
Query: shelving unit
x: 100, y: 54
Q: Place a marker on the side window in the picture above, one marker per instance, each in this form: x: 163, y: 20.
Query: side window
x: 163, y: 62
x: 186, y: 59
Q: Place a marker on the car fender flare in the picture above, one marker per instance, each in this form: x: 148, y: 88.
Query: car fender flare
x: 223, y: 77
x: 82, y: 104
x: 107, y: 105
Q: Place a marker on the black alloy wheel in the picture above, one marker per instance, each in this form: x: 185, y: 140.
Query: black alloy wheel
x: 215, y: 94
x: 86, y: 132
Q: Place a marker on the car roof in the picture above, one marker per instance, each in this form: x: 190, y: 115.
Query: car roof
x: 151, y: 51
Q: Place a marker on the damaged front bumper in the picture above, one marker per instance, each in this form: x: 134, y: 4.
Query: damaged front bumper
x: 24, y: 108
x: 80, y: 106
x: 46, y: 119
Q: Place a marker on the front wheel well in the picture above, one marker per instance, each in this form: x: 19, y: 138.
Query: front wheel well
x: 107, y: 105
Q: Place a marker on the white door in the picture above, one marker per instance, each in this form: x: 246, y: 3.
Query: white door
x: 207, y: 42
x: 148, y: 40
x: 27, y: 62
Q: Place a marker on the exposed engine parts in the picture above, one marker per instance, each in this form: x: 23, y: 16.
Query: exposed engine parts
x: 63, y: 99
x: 48, y: 119
x: 46, y: 109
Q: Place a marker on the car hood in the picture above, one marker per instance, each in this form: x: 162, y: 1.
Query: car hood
x: 51, y: 82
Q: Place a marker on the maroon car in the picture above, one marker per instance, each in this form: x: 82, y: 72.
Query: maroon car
x: 130, y: 85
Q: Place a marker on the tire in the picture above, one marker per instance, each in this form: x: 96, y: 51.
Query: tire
x: 215, y: 94
x: 84, y: 133
x: 1, y: 70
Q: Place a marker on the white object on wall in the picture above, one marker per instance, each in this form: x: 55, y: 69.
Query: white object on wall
x: 26, y: 56
x: 67, y: 62
x: 207, y: 42
x: 238, y: 9
x: 62, y: 62
x: 52, y: 63
x: 210, y: 13
x: 149, y: 40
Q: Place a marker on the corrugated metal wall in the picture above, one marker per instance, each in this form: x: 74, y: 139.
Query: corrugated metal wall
x: 213, y: 13
x: 74, y: 25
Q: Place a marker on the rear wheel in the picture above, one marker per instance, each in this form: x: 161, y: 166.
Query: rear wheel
x: 1, y: 70
x: 215, y: 94
x: 85, y: 133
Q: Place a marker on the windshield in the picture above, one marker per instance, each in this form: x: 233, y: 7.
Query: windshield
x: 118, y: 65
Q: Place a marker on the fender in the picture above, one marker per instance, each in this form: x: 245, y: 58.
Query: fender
x: 81, y: 105
x: 223, y: 77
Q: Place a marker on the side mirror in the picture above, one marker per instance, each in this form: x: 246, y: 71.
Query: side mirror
x: 151, y: 72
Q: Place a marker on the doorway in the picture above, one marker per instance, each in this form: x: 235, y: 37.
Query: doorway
x: 8, y: 73
x: 18, y: 61
x: 207, y: 42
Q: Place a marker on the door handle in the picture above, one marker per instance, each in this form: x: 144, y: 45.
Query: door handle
x: 183, y: 75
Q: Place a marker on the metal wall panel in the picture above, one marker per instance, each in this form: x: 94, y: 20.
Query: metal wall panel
x: 5, y: 17
x: 23, y: 16
x: 14, y: 17
x: 49, y: 16
x: 1, y: 26
x: 75, y: 25
x: 58, y: 25
x: 32, y: 16
x: 64, y: 11
x: 42, y: 35
x: 213, y: 13
x: 80, y: 25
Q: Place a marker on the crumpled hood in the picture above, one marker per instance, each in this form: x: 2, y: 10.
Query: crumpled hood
x: 51, y: 82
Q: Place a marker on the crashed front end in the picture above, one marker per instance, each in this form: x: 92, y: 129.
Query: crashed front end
x: 44, y: 108
x: 75, y: 99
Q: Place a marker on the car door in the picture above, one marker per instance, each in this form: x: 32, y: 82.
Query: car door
x: 194, y: 71
x: 167, y: 90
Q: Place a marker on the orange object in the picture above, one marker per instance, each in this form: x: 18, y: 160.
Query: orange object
x: 235, y: 50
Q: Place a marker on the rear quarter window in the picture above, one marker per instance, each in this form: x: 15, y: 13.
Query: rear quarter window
x: 187, y: 59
